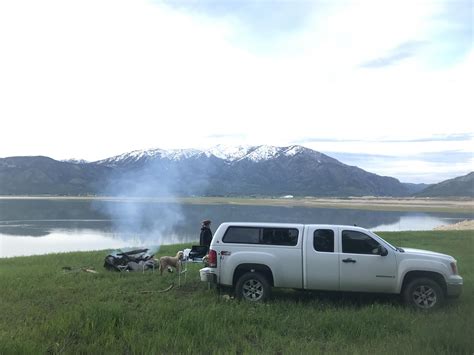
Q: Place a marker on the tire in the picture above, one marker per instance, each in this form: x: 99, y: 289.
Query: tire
x: 423, y: 294
x: 253, y: 287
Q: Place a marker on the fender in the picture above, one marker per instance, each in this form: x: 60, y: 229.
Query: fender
x: 430, y: 265
x: 237, y: 258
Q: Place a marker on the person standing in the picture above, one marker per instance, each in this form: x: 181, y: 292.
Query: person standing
x: 206, y: 233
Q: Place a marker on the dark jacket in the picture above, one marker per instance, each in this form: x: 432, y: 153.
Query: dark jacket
x: 205, y: 237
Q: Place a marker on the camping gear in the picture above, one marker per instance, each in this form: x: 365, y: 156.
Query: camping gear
x: 198, y: 252
x: 133, y: 260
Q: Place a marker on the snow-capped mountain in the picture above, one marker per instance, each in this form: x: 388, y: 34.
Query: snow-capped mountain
x: 143, y: 156
x: 253, y: 153
x: 252, y: 170
x: 228, y: 154
x: 261, y: 170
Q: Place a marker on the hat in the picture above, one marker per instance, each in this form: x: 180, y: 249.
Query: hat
x: 206, y: 221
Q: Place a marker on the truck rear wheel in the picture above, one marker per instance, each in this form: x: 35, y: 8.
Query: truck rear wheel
x: 252, y: 286
x: 424, y: 294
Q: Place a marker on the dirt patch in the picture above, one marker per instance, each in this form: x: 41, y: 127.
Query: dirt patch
x: 467, y: 224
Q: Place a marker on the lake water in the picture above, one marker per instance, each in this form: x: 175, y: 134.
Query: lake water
x: 37, y: 226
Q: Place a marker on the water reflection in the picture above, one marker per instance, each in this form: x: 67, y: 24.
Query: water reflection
x: 43, y: 226
x: 58, y: 241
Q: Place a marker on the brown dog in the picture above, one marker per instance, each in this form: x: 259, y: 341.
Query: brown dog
x: 171, y: 261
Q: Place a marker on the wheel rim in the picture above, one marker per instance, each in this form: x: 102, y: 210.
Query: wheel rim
x: 252, y: 290
x: 424, y: 296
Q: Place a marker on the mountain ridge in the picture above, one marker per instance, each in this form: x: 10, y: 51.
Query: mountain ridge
x: 218, y: 171
x: 227, y: 153
x: 461, y: 186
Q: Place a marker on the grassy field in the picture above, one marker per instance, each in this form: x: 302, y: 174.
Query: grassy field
x: 45, y: 310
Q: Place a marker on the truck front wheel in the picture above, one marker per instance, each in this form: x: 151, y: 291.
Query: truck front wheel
x: 423, y: 294
x: 252, y: 286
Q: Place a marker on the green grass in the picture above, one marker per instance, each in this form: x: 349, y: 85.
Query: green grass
x: 44, y: 310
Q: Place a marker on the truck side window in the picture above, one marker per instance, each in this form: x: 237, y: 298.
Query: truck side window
x: 355, y: 242
x: 323, y: 240
x: 246, y: 235
x: 280, y: 236
x: 255, y: 235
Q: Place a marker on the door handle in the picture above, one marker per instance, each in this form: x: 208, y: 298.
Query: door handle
x: 349, y: 260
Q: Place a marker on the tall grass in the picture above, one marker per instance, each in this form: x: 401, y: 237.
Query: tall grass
x: 45, y: 310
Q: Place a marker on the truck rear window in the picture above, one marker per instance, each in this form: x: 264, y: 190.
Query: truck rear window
x: 257, y: 235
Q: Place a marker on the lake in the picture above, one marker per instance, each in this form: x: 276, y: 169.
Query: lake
x: 40, y: 226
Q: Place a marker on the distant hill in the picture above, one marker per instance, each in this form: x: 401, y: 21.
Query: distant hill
x: 43, y: 175
x: 457, y: 187
x: 415, y: 188
x: 220, y: 171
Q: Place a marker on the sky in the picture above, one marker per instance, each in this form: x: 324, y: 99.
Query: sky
x: 382, y: 84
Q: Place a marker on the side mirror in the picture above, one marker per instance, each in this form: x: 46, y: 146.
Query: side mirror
x: 382, y: 251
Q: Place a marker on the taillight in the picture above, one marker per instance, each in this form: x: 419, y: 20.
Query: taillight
x: 212, y: 261
x: 454, y: 267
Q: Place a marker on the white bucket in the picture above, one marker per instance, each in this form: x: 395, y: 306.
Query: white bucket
x: 205, y: 274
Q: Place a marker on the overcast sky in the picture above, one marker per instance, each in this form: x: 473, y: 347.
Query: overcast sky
x: 384, y: 85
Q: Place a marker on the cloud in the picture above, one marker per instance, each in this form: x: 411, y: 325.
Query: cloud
x: 455, y: 137
x: 194, y: 74
x: 419, y: 171
x: 261, y: 27
x: 401, y: 52
x: 268, y: 18
x: 447, y: 157
x: 453, y: 31
x: 443, y: 38
x: 431, y: 167
x: 418, y: 159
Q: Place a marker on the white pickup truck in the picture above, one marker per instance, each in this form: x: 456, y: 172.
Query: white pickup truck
x: 254, y: 257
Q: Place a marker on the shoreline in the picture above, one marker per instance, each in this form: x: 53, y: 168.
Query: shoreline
x: 419, y: 204
x: 460, y: 226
